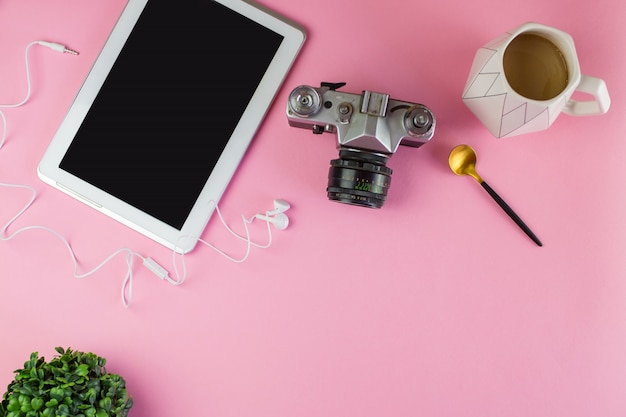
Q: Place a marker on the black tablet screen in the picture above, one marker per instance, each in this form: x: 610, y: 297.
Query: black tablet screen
x: 169, y: 105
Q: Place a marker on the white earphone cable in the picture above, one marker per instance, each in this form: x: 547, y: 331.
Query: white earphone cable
x: 52, y: 45
x: 180, y: 277
x: 149, y: 263
x: 5, y: 236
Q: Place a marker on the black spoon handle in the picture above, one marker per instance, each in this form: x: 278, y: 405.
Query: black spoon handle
x: 511, y: 213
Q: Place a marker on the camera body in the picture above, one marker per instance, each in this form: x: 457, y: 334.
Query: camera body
x: 370, y: 127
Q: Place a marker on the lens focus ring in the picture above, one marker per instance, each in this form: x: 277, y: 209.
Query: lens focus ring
x: 359, y: 178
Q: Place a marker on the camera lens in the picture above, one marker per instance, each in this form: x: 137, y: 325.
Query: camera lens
x: 360, y: 178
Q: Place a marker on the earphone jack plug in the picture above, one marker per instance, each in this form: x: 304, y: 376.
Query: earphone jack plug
x: 70, y: 51
x: 57, y: 47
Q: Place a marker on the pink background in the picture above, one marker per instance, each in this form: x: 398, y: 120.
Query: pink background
x: 435, y: 305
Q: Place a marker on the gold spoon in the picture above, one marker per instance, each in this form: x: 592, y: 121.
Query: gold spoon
x: 462, y: 161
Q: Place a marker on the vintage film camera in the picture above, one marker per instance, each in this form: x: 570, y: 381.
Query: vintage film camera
x: 369, y: 127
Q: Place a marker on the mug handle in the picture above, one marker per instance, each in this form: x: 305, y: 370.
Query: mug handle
x: 597, y: 88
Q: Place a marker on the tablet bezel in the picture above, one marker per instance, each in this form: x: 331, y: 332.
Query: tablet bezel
x: 185, y: 239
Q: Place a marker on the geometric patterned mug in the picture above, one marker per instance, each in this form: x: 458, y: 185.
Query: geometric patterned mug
x: 521, y: 81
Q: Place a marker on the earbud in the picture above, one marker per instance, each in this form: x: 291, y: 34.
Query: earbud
x: 277, y: 216
x: 280, y: 220
x: 280, y: 206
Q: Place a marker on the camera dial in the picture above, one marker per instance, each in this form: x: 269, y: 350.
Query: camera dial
x: 418, y: 121
x: 305, y: 101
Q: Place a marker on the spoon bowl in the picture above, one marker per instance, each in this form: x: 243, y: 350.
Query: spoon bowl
x: 462, y: 161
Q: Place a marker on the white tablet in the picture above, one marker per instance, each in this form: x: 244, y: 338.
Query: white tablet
x: 168, y: 110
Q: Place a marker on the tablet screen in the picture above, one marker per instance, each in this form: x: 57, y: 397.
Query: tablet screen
x: 170, y: 104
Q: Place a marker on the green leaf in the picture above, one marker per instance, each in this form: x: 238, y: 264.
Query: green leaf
x: 36, y: 403
x: 82, y: 370
x: 105, y: 403
x: 49, y: 412
x: 63, y: 410
x: 14, y: 405
x: 32, y: 361
x: 57, y: 393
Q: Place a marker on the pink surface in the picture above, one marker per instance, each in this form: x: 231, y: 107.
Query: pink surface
x: 435, y: 305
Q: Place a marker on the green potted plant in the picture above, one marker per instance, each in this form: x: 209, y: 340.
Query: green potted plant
x: 72, y: 384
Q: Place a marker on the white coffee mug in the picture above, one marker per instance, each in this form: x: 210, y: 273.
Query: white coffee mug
x: 521, y: 81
